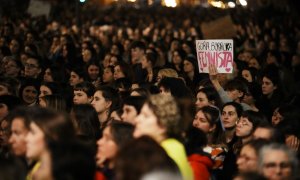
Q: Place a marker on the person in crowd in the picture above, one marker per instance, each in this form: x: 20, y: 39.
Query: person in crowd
x: 277, y: 161
x: 93, y: 73
x: 132, y: 107
x: 115, y: 136
x: 207, y: 96
x: 247, y: 160
x: 105, y: 101
x: 33, y: 67
x: 29, y: 92
x: 160, y: 119
x: 77, y: 76
x: 148, y: 62
x: 108, y: 75
x: 166, y: 72
x: 46, y: 127
x: 83, y: 93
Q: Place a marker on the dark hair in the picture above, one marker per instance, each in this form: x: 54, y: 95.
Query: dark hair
x: 151, y: 57
x: 142, y: 91
x: 257, y: 144
x: 86, y: 120
x: 130, y: 160
x: 254, y: 117
x: 122, y: 132
x: 176, y: 86
x: 136, y: 101
x: 110, y: 94
x: 55, y: 125
x: 138, y: 44
x: 212, y: 95
x: 80, y: 72
x: 22, y: 114
x: 86, y: 87
x: 237, y: 106
x: 58, y: 73
x: 195, y: 140
x: 12, y: 169
x: 10, y: 101
x: 55, y: 87
x: 55, y: 102
x: 126, y: 69
x: 272, y: 73
x: 237, y: 84
x: 72, y: 161
x: 250, y: 176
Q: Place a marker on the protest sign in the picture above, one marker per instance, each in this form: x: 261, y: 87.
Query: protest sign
x: 39, y: 8
x: 218, y: 52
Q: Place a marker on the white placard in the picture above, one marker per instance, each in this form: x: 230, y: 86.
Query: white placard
x: 39, y: 8
x: 218, y: 52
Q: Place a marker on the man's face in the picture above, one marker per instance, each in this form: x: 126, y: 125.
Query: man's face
x: 17, y: 138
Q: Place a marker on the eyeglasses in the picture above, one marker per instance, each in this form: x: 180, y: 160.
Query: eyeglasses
x: 273, y: 165
x: 30, y: 65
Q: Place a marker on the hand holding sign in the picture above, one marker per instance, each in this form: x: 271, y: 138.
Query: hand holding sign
x: 215, y: 52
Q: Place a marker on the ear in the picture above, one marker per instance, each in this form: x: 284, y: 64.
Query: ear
x: 211, y: 129
x: 108, y: 104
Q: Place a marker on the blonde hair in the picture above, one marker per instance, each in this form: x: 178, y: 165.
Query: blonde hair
x: 167, y: 112
x: 168, y: 72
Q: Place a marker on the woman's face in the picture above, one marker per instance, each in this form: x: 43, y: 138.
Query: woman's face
x: 107, y: 147
x: 29, y: 94
x: 44, y: 90
x: 229, y: 116
x: 48, y: 76
x: 244, y: 127
x: 106, y: 60
x: 35, y: 142
x: 93, y: 72
x: 188, y: 66
x: 74, y: 79
x: 254, y: 63
x: 176, y: 58
x: 86, y: 55
x: 202, y: 123
x: 99, y: 102
x: 118, y: 73
x: 202, y: 100
x: 247, y: 160
x: 267, y: 86
x: 80, y: 97
x: 247, y: 75
x: 107, y: 75
x: 147, y: 124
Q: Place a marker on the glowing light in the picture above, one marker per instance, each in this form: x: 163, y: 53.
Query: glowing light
x: 82, y: 1
x: 243, y: 2
x: 217, y: 4
x: 170, y: 3
x: 131, y: 0
x: 231, y: 4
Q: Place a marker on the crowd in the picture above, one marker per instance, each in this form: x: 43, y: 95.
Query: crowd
x: 119, y: 96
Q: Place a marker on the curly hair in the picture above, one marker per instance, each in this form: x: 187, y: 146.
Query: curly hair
x: 167, y: 112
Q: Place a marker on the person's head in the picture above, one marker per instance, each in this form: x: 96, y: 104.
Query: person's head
x: 178, y: 56
x: 122, y: 70
x: 55, y: 102
x: 249, y: 74
x: 19, y: 128
x: 148, y: 60
x: 49, y: 88
x: 282, y: 112
x: 140, y: 92
x: 175, y: 87
x: 85, y: 120
x: 93, y: 71
x: 231, y: 112
x: 206, y: 119
x: 270, y: 81
x: 83, y: 93
x: 46, y: 126
x: 7, y: 104
x: 277, y: 161
x: 159, y: 118
x: 131, y: 108
x: 55, y: 73
x: 77, y: 75
x: 108, y: 74
x: 236, y: 89
x: 32, y: 67
x: 254, y: 63
x: 267, y: 131
x: 195, y: 140
x: 29, y: 91
x: 247, y: 160
x: 12, y: 168
x: 166, y: 72
x: 137, y: 51
x: 105, y: 100
x: 12, y: 67
x: 207, y: 96
x: 130, y: 160
x: 115, y: 136
x: 190, y: 64
x: 247, y: 123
